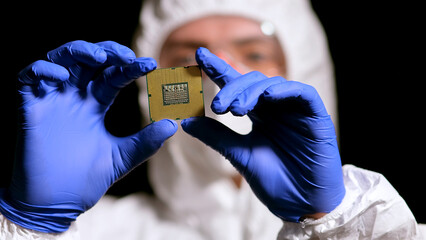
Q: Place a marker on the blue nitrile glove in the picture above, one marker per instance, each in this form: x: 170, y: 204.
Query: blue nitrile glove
x: 66, y: 159
x: 290, y: 159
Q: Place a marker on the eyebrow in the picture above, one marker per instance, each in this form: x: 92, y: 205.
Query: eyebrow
x: 239, y: 42
x: 186, y: 44
x: 249, y: 40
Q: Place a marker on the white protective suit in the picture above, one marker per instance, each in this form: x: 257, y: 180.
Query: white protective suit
x: 195, y: 197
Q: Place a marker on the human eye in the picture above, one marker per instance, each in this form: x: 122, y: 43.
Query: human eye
x: 255, y: 57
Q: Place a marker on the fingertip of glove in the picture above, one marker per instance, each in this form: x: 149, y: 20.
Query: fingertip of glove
x: 167, y: 124
x: 63, y: 74
x: 192, y: 124
x: 211, y: 64
x: 185, y: 123
x: 146, y: 64
x: 158, y: 132
x: 201, y: 53
x: 217, y: 106
x: 140, y: 67
x: 172, y: 123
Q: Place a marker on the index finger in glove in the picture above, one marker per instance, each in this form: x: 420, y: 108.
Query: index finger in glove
x: 78, y: 52
x: 217, y: 69
x: 230, y: 92
x: 114, y: 78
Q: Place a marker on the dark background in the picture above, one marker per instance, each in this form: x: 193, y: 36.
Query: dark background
x: 374, y: 46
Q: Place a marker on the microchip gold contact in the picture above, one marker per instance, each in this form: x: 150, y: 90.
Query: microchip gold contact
x: 175, y: 93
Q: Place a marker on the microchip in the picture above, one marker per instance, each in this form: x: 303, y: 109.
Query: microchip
x: 175, y: 93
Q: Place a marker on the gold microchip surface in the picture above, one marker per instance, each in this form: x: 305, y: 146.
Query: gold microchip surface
x: 175, y: 93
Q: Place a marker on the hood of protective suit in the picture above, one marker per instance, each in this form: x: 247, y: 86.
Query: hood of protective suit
x: 185, y: 174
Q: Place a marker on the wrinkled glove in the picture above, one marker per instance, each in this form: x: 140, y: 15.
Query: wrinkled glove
x: 66, y: 159
x: 291, y: 158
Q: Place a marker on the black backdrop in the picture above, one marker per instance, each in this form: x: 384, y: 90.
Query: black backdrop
x: 377, y: 65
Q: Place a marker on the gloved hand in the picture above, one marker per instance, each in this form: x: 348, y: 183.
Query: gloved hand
x: 290, y: 159
x: 66, y: 159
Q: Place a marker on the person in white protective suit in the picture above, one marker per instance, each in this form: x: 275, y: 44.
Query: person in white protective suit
x: 198, y: 193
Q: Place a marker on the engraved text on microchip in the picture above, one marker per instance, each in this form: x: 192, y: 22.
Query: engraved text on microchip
x: 175, y: 93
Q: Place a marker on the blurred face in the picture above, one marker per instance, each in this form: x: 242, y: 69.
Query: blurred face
x: 239, y: 41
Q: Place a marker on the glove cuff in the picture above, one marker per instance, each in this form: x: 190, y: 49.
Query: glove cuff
x: 39, y: 218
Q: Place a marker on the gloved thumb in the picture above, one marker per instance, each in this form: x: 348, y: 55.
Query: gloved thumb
x: 219, y: 137
x: 135, y: 149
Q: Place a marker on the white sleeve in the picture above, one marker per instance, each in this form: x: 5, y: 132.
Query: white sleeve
x: 12, y: 231
x: 131, y: 217
x: 371, y: 209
